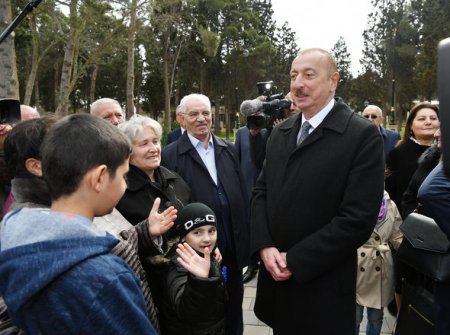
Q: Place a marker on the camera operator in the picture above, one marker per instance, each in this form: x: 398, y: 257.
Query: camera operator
x: 287, y: 112
x: 251, y: 147
x: 264, y: 113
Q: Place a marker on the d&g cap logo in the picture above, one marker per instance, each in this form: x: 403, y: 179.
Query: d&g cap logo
x: 208, y: 218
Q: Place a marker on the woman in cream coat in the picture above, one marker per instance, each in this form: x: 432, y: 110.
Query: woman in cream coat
x: 375, y: 281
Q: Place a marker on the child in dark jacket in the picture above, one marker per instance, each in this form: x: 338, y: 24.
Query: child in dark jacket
x: 194, y: 291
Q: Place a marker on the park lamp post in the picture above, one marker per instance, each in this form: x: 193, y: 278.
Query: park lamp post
x: 392, y: 114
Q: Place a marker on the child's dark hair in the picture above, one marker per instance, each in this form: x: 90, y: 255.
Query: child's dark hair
x: 76, y: 144
x: 24, y: 142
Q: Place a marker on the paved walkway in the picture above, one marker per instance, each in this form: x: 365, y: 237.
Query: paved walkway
x: 252, y: 326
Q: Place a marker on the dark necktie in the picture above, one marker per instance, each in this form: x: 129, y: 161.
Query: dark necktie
x: 304, y: 132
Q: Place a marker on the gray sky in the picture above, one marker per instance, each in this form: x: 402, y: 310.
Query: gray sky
x: 320, y: 23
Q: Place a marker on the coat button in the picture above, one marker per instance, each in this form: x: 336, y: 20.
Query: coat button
x: 362, y: 269
x: 124, y: 234
x: 363, y: 254
x: 377, y: 268
x: 377, y: 238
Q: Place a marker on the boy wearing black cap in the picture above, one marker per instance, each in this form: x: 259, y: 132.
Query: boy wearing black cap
x: 194, y: 291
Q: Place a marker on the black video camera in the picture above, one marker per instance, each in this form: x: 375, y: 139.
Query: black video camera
x: 271, y: 109
x: 9, y: 111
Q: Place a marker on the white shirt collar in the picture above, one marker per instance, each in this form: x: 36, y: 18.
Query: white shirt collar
x: 196, y: 141
x: 317, y: 119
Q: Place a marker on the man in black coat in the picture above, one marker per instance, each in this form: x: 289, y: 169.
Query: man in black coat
x: 210, y: 167
x: 315, y: 202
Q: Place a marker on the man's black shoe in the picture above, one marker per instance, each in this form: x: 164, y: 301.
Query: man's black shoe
x: 249, y: 273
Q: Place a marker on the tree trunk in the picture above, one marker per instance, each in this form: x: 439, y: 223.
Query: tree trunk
x: 93, y: 84
x: 139, y: 88
x: 9, y: 83
x: 228, y: 108
x: 56, y: 77
x: 217, y: 115
x: 37, y: 97
x: 131, y: 48
x: 67, y: 67
x: 34, y: 60
x: 167, y: 111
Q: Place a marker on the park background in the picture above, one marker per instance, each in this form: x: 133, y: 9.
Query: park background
x: 149, y: 54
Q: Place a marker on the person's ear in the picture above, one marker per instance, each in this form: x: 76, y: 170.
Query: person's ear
x: 179, y: 119
x: 34, y: 166
x: 182, y: 120
x: 98, y: 177
x: 334, y: 81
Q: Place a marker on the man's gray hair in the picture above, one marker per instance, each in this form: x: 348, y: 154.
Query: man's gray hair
x: 375, y: 108
x: 193, y: 96
x: 135, y: 126
x: 97, y: 103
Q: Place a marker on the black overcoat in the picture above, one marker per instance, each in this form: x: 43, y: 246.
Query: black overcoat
x: 183, y: 158
x: 137, y: 202
x: 318, y: 202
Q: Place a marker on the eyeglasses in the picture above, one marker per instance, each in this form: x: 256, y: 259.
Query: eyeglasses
x: 195, y: 115
x: 372, y: 116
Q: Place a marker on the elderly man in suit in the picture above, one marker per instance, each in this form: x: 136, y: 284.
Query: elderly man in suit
x: 375, y: 115
x: 315, y: 202
x: 175, y: 134
x: 211, y: 168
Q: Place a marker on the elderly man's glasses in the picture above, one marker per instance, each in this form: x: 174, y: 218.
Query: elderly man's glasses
x: 195, y: 115
x: 371, y: 116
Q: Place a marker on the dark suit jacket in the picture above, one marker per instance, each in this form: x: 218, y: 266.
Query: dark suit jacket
x: 173, y: 135
x: 434, y: 194
x: 318, y: 202
x: 183, y: 158
x: 390, y: 139
x: 249, y: 170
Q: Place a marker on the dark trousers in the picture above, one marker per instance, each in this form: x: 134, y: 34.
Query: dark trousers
x: 442, y: 308
x: 235, y: 288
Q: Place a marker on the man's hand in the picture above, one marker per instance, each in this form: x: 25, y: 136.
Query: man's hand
x: 193, y: 262
x: 275, y: 263
x: 5, y: 129
x: 159, y: 223
x: 277, y: 122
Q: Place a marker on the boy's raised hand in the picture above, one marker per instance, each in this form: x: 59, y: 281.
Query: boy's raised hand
x: 193, y: 262
x: 160, y: 223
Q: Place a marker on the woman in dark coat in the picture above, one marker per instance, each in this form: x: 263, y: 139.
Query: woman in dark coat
x: 401, y: 163
x: 146, y: 181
